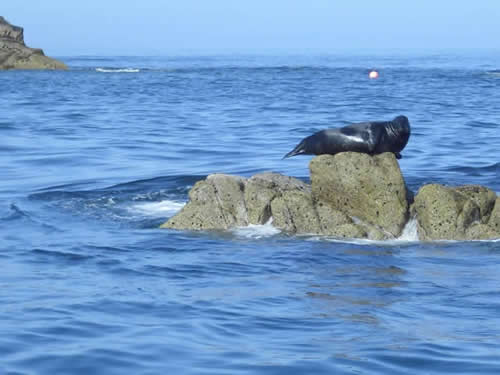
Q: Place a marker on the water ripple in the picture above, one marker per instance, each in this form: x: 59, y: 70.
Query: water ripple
x: 93, y: 162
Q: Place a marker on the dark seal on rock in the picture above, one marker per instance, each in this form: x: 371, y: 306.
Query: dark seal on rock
x: 366, y: 137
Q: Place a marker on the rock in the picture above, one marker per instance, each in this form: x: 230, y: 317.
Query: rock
x: 262, y: 188
x: 294, y: 212
x: 223, y: 201
x: 443, y: 213
x: 335, y: 223
x: 330, y: 218
x: 370, y: 188
x: 374, y: 233
x: 482, y: 196
x: 348, y: 231
x: 481, y: 232
x: 494, y: 220
x: 215, y: 203
x: 352, y: 196
x: 469, y: 212
x: 14, y: 54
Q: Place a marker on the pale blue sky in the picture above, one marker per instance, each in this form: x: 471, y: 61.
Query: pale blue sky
x: 162, y: 27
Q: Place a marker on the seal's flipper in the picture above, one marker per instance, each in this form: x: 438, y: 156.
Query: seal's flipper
x: 299, y: 149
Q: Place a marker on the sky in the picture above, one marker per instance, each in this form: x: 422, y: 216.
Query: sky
x: 163, y: 27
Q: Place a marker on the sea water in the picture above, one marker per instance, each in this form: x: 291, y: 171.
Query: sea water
x: 94, y: 159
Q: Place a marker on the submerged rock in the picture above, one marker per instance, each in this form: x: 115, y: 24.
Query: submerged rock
x: 14, y: 54
x: 351, y: 195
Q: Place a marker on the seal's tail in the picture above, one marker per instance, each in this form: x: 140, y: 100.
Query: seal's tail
x: 299, y: 149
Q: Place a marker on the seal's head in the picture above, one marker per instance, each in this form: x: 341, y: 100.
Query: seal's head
x: 402, y: 123
x: 399, y: 132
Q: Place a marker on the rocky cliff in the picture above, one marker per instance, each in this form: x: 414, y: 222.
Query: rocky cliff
x: 352, y: 195
x: 14, y: 54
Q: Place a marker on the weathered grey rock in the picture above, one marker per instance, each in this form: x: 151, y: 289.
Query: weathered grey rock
x: 330, y: 218
x: 8, y: 31
x: 337, y: 224
x: 262, y: 188
x: 494, y: 220
x: 352, y: 196
x: 348, y: 231
x: 223, y: 201
x: 370, y: 188
x: 482, y: 196
x: 373, y: 232
x: 14, y: 54
x: 443, y: 213
x: 214, y: 203
x: 481, y: 232
x: 294, y: 212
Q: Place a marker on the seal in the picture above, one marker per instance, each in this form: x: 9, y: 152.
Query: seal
x: 366, y: 137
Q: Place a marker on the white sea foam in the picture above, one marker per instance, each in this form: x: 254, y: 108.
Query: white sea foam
x: 408, y: 235
x: 157, y: 209
x: 257, y: 231
x: 117, y: 70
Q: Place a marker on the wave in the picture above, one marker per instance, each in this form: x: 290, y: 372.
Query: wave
x: 143, y: 203
x: 408, y: 235
x: 476, y: 171
x: 146, y: 189
x: 495, y: 72
x: 256, y: 231
x: 14, y: 213
x: 117, y: 70
x: 156, y: 209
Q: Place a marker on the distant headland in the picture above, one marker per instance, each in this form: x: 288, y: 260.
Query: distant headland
x: 14, y: 54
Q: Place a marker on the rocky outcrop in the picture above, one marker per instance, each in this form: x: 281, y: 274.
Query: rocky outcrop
x: 14, y: 54
x: 351, y: 195
x: 214, y: 203
x: 223, y: 201
x: 370, y: 188
x: 263, y: 188
x: 461, y: 213
x: 494, y: 220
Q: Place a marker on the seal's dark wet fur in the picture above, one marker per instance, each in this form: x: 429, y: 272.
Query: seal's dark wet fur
x: 366, y: 137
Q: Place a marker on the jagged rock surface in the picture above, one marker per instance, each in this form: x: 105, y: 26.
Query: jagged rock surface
x: 352, y: 196
x: 214, y: 203
x: 223, y: 201
x: 14, y: 54
x: 461, y: 213
x: 370, y: 188
x: 262, y: 188
x: 494, y: 220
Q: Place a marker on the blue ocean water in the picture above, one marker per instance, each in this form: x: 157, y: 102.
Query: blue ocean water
x: 93, y: 160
